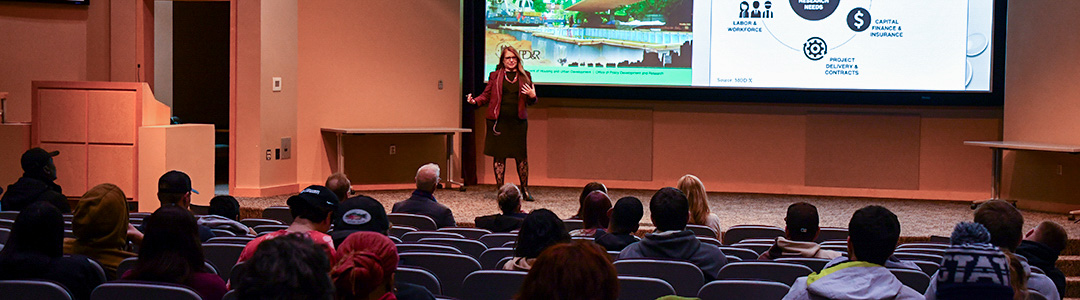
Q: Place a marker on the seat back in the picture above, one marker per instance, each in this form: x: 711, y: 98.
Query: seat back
x: 239, y: 240
x: 415, y: 236
x: 493, y: 240
x: 916, y: 280
x: 125, y: 265
x: 491, y: 257
x: 785, y: 273
x: 739, y: 232
x: 931, y: 251
x: 701, y: 230
x: 223, y: 256
x: 492, y: 284
x: 502, y: 262
x: 33, y: 290
x: 469, y: 247
x: 450, y: 269
x: 757, y: 248
x: 280, y: 213
x: 9, y: 215
x: 743, y: 289
x: 923, y: 245
x: 710, y: 241
x: 135, y: 290
x: 684, y: 277
x: 222, y: 232
x: 420, y: 222
x: 572, y: 225
x: 252, y: 222
x: 927, y: 267
x: 643, y: 288
x: 743, y: 253
x: 815, y: 264
x: 419, y: 276
x: 918, y: 257
x: 231, y: 295
x: 399, y: 231
x: 831, y: 234
x: 469, y: 233
x: 403, y: 248
x: 269, y: 228
x: 4, y: 234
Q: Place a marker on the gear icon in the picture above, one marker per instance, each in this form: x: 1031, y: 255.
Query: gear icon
x: 815, y: 48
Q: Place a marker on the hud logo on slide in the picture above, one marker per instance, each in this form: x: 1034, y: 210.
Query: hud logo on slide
x: 814, y: 10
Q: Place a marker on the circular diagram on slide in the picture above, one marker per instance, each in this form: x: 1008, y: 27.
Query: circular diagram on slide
x: 817, y: 27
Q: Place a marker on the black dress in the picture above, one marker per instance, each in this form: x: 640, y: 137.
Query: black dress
x: 506, y: 136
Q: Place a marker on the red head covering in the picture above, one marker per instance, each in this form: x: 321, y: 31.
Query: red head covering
x: 364, y: 261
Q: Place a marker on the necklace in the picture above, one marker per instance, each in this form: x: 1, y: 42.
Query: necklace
x: 513, y: 80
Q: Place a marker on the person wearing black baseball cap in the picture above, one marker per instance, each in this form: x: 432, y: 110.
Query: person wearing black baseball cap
x: 174, y: 189
x: 36, y: 184
x: 801, y: 231
x: 312, y: 212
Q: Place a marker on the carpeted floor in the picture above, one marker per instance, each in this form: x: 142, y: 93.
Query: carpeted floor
x: 917, y: 217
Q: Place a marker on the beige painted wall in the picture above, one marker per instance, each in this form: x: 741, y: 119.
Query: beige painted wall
x: 1042, y: 102
x: 374, y: 64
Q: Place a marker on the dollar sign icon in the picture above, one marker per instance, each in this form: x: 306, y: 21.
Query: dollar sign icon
x: 858, y: 19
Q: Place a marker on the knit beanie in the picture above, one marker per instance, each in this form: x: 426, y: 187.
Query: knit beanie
x: 972, y: 268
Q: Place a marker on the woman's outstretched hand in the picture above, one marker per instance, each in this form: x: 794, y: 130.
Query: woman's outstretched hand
x: 529, y: 90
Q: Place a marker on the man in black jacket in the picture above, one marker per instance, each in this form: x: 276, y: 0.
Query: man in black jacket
x: 1041, y: 246
x: 36, y: 184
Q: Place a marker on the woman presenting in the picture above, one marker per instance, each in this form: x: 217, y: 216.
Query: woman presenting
x: 509, y: 90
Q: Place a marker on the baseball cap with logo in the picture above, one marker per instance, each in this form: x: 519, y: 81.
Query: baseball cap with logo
x: 361, y: 213
x: 175, y: 182
x: 315, y: 196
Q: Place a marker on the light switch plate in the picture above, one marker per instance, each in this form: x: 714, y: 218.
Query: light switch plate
x: 277, y: 84
x: 286, y: 147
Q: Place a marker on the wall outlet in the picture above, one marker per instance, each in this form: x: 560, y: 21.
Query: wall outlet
x: 286, y: 146
x: 440, y: 84
x: 269, y: 154
x: 277, y: 84
x: 393, y: 149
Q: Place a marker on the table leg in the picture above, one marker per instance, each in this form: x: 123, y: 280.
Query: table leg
x: 995, y: 188
x: 340, y: 154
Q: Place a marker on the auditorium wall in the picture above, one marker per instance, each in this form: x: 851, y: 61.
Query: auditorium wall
x: 1042, y: 103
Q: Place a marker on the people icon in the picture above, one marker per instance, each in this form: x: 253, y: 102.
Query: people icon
x: 767, y: 14
x: 744, y: 10
x: 756, y: 13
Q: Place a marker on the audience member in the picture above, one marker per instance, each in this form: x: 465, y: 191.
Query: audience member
x: 101, y: 228
x: 312, y: 211
x: 972, y: 268
x: 1041, y: 247
x: 423, y: 201
x: 799, y: 235
x: 340, y: 184
x: 1005, y: 224
x: 540, y: 230
x: 360, y: 213
x: 287, y: 267
x: 38, y: 183
x: 509, y: 200
x: 34, y: 250
x: 364, y: 267
x: 594, y: 214
x: 700, y: 214
x: 171, y: 253
x: 223, y: 214
x: 625, y: 216
x: 578, y: 270
x: 589, y: 188
x: 174, y: 189
x: 670, y: 211
x: 873, y: 233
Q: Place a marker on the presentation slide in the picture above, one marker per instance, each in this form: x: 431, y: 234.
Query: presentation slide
x: 890, y: 45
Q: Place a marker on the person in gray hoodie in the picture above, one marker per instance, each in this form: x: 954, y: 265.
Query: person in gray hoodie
x: 670, y: 212
x: 872, y: 235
